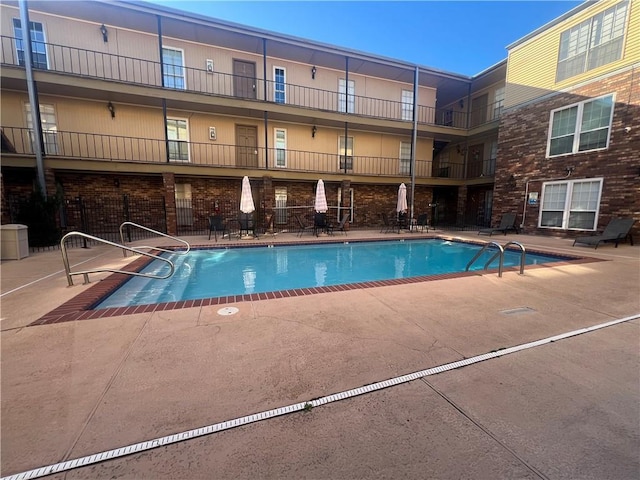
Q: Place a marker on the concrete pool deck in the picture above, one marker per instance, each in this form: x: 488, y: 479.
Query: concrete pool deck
x: 567, y: 409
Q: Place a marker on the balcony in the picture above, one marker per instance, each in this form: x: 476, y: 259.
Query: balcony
x: 136, y: 71
x: 111, y: 148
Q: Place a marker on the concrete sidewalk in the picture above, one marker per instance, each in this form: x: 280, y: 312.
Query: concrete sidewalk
x: 563, y: 410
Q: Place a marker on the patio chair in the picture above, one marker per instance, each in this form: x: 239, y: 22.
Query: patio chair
x: 342, y: 225
x: 269, y: 228
x: 617, y: 230
x: 421, y: 223
x: 389, y: 225
x: 247, y: 224
x: 320, y: 223
x: 507, y: 223
x: 302, y: 227
x: 217, y: 224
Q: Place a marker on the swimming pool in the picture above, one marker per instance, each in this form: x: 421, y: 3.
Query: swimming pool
x: 212, y: 273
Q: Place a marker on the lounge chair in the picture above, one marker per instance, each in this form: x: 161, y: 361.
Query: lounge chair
x: 342, y: 225
x: 217, y: 224
x: 389, y: 225
x: 617, y: 230
x: 507, y: 223
x: 302, y: 227
x: 421, y: 223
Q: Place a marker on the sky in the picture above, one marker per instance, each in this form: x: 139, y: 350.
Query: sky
x: 464, y: 37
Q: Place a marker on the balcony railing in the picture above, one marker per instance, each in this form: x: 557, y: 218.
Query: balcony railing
x: 113, y: 148
x: 137, y: 71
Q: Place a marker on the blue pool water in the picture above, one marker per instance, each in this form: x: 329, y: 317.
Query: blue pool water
x: 215, y: 273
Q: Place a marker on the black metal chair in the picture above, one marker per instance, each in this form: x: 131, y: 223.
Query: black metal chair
x: 217, y: 224
x: 421, y: 222
x: 247, y: 224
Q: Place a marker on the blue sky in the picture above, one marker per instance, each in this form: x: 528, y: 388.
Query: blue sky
x: 457, y: 36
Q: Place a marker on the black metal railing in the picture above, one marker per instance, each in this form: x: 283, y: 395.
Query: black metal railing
x: 113, y: 148
x: 138, y: 71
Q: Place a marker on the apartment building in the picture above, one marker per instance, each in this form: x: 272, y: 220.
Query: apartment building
x: 569, y: 137
x: 154, y: 115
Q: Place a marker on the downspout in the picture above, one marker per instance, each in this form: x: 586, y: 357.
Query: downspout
x: 33, y: 95
x: 526, y: 190
x: 414, y: 140
x: 164, y: 100
x: 266, y: 115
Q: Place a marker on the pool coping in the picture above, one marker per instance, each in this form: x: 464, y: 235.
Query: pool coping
x: 81, y: 307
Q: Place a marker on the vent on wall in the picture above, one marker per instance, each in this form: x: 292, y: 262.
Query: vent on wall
x: 209, y: 66
x: 212, y: 133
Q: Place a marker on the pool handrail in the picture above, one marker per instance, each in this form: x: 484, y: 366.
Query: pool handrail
x: 136, y: 249
x: 85, y: 273
x: 523, y: 254
x: 481, y: 251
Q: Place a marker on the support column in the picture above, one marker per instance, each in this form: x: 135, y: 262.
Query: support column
x: 169, y: 182
x: 462, y: 203
x: 345, y: 201
x: 268, y: 197
x: 50, y: 181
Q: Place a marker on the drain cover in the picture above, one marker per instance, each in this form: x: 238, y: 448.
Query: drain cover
x: 228, y: 311
x: 517, y: 311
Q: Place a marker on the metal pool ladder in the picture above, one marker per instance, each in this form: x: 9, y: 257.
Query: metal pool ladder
x: 500, y: 253
x: 85, y: 273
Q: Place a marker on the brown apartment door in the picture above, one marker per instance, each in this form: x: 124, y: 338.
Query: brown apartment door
x: 246, y: 146
x: 244, y: 79
x: 475, y: 160
x: 479, y: 110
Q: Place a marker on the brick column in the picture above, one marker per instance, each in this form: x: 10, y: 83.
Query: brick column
x: 268, y: 197
x: 345, y: 200
x: 462, y: 202
x: 169, y: 181
x: 50, y: 182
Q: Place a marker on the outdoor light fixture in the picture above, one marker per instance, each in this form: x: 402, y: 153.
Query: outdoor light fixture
x: 314, y: 129
x: 105, y: 33
x: 112, y: 109
x: 313, y: 72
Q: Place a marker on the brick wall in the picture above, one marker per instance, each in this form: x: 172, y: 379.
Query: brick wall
x: 522, y: 145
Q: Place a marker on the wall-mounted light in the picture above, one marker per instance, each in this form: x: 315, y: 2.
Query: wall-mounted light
x: 313, y: 72
x: 314, y: 129
x: 105, y: 33
x: 116, y: 183
x: 111, y: 109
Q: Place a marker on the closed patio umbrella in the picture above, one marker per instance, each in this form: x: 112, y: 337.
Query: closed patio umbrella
x: 401, y: 207
x: 246, y: 198
x: 321, y: 199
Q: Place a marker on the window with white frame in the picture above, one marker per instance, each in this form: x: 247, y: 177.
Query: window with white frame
x: 281, y: 205
x: 279, y: 85
x: 407, y: 104
x: 173, y: 68
x: 281, y: 147
x: 581, y: 127
x: 594, y: 42
x: 346, y: 154
x: 570, y: 205
x: 405, y: 158
x: 178, y: 136
x: 47, y: 125
x: 346, y: 99
x: 38, y: 45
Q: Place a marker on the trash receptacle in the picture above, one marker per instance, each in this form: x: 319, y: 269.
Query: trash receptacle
x: 14, y: 241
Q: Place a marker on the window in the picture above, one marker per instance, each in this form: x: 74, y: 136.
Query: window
x: 346, y: 155
x: 281, y: 205
x: 498, y: 103
x: 405, y: 158
x: 279, y: 85
x: 184, y: 207
x: 178, y: 140
x: 581, y: 127
x: 38, y: 46
x: 281, y: 147
x: 348, y: 97
x: 48, y: 126
x: 571, y: 204
x: 407, y: 105
x: 594, y: 42
x: 173, y: 68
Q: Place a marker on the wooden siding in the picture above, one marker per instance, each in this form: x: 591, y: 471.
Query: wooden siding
x: 531, y: 68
